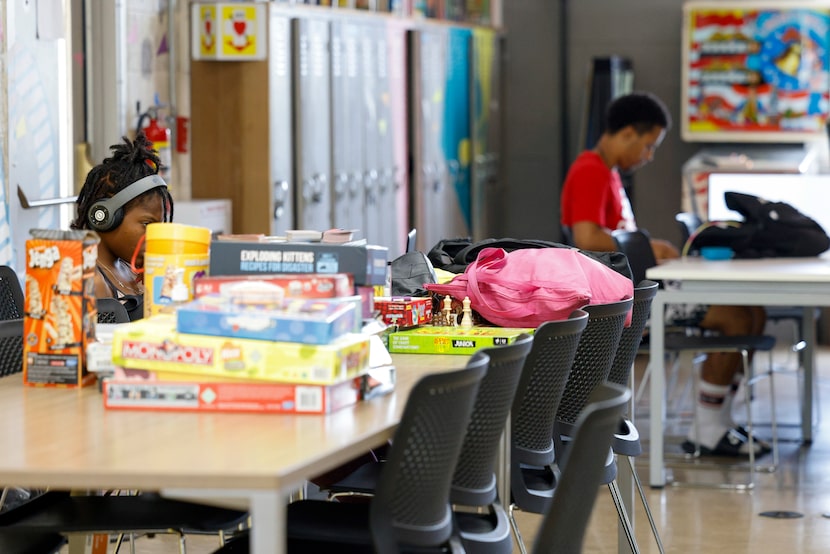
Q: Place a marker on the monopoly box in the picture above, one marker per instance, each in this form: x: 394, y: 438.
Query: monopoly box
x: 154, y: 344
x: 366, y: 263
x: 297, y: 320
x: 451, y: 340
x: 59, y: 310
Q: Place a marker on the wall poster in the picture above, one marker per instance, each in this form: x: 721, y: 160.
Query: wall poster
x: 755, y: 71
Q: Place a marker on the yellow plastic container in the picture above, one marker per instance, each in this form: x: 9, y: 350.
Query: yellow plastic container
x: 175, y: 255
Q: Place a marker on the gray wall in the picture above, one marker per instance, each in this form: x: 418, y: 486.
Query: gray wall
x: 645, y: 31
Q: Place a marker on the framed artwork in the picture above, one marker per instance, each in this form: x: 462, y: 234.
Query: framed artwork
x: 755, y: 71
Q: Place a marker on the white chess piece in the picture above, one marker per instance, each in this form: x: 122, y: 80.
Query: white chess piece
x: 467, y: 313
x: 449, y: 317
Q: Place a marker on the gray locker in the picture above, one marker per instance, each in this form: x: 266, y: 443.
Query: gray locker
x: 280, y: 134
x: 346, y: 127
x: 486, y: 190
x: 441, y: 122
x: 386, y: 191
x: 312, y: 110
x: 395, y: 95
x: 371, y: 136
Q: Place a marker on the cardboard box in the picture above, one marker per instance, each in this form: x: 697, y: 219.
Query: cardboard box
x: 154, y: 390
x: 60, y: 313
x: 404, y: 311
x: 153, y: 343
x: 302, y: 285
x: 451, y: 340
x: 231, y: 397
x: 366, y: 263
x: 299, y: 320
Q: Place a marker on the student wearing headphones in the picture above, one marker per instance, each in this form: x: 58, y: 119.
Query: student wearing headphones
x: 119, y: 198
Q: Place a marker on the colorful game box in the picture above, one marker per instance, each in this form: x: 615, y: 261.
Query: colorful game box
x: 451, y: 340
x: 366, y: 263
x: 310, y: 285
x: 60, y: 313
x: 153, y: 343
x: 298, y: 320
x: 152, y: 390
x: 404, y: 311
x: 231, y: 397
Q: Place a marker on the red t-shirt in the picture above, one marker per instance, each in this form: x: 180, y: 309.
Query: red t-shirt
x: 592, y: 192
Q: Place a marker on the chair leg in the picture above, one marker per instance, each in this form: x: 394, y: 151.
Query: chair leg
x: 646, y: 507
x: 623, y: 516
x: 515, y: 526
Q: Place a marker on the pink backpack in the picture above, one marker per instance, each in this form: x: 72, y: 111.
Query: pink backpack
x: 527, y: 287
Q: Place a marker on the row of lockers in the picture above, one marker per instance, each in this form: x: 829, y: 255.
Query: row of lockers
x: 367, y: 123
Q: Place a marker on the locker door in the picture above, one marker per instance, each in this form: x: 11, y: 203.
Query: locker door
x: 486, y: 188
x: 312, y: 109
x: 347, y: 142
x: 386, y: 149
x: 279, y: 125
x: 397, y: 84
x: 371, y: 152
x: 441, y: 130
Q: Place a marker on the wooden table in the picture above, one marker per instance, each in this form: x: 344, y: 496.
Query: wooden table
x: 761, y: 282
x: 64, y: 438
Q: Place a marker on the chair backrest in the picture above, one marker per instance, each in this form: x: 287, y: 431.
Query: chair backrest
x: 411, y: 503
x: 540, y: 390
x: 688, y: 222
x: 474, y: 482
x: 11, y: 322
x: 110, y: 310
x: 593, y: 359
x: 632, y: 335
x: 563, y: 527
x: 637, y: 248
x: 11, y: 294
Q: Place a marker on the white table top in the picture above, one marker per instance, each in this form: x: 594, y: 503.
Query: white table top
x: 813, y: 270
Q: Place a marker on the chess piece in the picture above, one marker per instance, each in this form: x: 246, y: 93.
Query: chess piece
x: 466, y: 313
x: 449, y: 317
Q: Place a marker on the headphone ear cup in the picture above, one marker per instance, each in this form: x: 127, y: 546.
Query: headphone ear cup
x: 99, y: 217
x: 117, y: 218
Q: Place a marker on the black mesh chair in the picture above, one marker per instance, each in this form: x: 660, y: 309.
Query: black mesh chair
x: 591, y: 367
x: 11, y: 322
x: 484, y: 529
x: 27, y: 543
x: 626, y: 440
x: 533, y: 470
x: 564, y: 524
x: 410, y: 508
x: 60, y: 512
x: 110, y: 310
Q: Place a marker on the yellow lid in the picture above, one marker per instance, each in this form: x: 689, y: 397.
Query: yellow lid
x: 178, y: 231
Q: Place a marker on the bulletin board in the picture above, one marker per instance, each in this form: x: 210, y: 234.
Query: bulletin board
x: 755, y: 71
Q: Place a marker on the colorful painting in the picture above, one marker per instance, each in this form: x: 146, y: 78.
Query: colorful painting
x: 755, y: 74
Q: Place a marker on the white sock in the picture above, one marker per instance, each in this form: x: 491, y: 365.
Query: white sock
x: 709, y: 426
x: 728, y: 400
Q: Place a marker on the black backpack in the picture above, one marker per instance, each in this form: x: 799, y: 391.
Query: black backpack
x: 769, y: 229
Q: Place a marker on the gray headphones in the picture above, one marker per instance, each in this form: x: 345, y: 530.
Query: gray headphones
x: 107, y: 214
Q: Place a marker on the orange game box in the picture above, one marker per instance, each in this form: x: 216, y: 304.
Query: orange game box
x: 59, y: 311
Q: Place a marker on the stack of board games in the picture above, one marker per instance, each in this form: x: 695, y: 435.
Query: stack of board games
x: 247, y: 344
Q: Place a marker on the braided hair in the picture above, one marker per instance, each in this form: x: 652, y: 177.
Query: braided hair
x: 130, y: 161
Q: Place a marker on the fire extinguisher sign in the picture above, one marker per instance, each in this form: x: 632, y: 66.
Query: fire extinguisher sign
x: 229, y: 31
